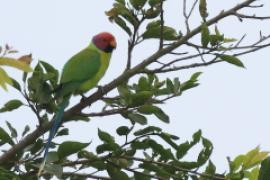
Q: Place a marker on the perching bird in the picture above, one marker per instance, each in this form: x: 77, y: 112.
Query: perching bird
x: 81, y: 73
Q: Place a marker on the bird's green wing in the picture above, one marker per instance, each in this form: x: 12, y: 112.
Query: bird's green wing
x: 81, y: 67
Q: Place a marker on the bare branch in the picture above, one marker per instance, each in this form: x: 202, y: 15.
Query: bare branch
x: 105, y: 113
x: 161, y: 25
x: 174, y: 167
x: 243, y: 16
x: 177, y: 68
x: 187, y: 15
x: 84, y: 175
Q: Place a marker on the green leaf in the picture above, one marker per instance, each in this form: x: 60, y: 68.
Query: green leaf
x: 116, y: 174
x: 203, y: 9
x: 107, y: 147
x: 143, y: 84
x: 40, y: 89
x: 150, y: 109
x: 232, y: 60
x: 123, y: 90
x: 216, y: 39
x: 149, y: 129
x: 52, y: 157
x: 54, y: 169
x: 121, y: 1
x: 5, y: 138
x: 121, y: 23
x: 152, y: 13
x: 170, y: 85
x: 205, y: 35
x: 63, y: 132
x: 137, y: 4
x: 13, y: 131
x: 186, y: 146
x: 253, y: 174
x: 204, y: 155
x: 153, y: 30
x: 160, y: 114
x: 154, y: 2
x: 15, y: 84
x: 188, y: 85
x: 105, y: 137
x: 195, y: 76
x: 176, y: 85
x: 139, y: 145
x: 139, y: 98
x: 264, y: 173
x: 158, y: 148
x: 38, y: 145
x: 140, y: 176
x: 87, y: 155
x: 15, y: 63
x: 26, y: 130
x: 11, y: 105
x: 183, y: 149
x: 211, y: 168
x: 119, y: 9
x: 7, y: 174
x: 123, y: 131
x: 196, y: 137
x: 217, y: 31
x: 4, y: 79
x: 228, y: 40
x: 237, y: 163
x: 168, y: 138
x: 70, y: 147
x: 253, y: 158
x: 147, y: 109
x: 159, y: 171
x: 50, y: 69
x: 137, y: 118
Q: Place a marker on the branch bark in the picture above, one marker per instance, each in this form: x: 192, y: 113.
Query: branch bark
x: 29, y: 139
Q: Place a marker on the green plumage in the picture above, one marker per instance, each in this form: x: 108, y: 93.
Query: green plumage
x: 80, y: 74
x: 83, y: 71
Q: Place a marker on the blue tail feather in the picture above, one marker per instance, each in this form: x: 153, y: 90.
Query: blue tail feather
x: 56, y: 124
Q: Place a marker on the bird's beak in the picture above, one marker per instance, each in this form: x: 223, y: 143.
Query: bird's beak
x: 113, y: 44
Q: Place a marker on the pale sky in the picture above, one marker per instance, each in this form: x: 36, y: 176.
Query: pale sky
x: 231, y: 105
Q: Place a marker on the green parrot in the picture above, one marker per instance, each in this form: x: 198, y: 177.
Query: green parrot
x: 81, y: 73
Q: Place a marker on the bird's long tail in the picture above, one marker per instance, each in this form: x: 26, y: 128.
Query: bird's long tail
x: 56, y: 124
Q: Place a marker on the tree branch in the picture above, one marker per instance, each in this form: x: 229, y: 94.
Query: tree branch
x: 76, y: 109
x: 84, y: 175
x: 174, y: 167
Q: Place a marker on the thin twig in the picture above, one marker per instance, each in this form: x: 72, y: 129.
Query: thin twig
x: 84, y: 175
x: 244, y: 16
x: 174, y: 167
x: 161, y: 25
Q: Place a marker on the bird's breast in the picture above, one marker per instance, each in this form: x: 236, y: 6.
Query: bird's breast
x: 91, y: 83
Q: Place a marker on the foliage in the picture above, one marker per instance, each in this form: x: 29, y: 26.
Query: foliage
x: 21, y: 63
x: 147, y: 152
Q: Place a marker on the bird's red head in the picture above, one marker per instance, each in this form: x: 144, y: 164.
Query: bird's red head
x: 104, y: 41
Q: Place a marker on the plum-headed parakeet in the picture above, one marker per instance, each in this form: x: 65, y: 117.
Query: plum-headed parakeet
x: 81, y: 73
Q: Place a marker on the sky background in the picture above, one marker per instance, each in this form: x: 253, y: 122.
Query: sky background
x: 231, y: 105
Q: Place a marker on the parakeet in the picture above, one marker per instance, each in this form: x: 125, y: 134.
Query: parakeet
x: 81, y: 73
